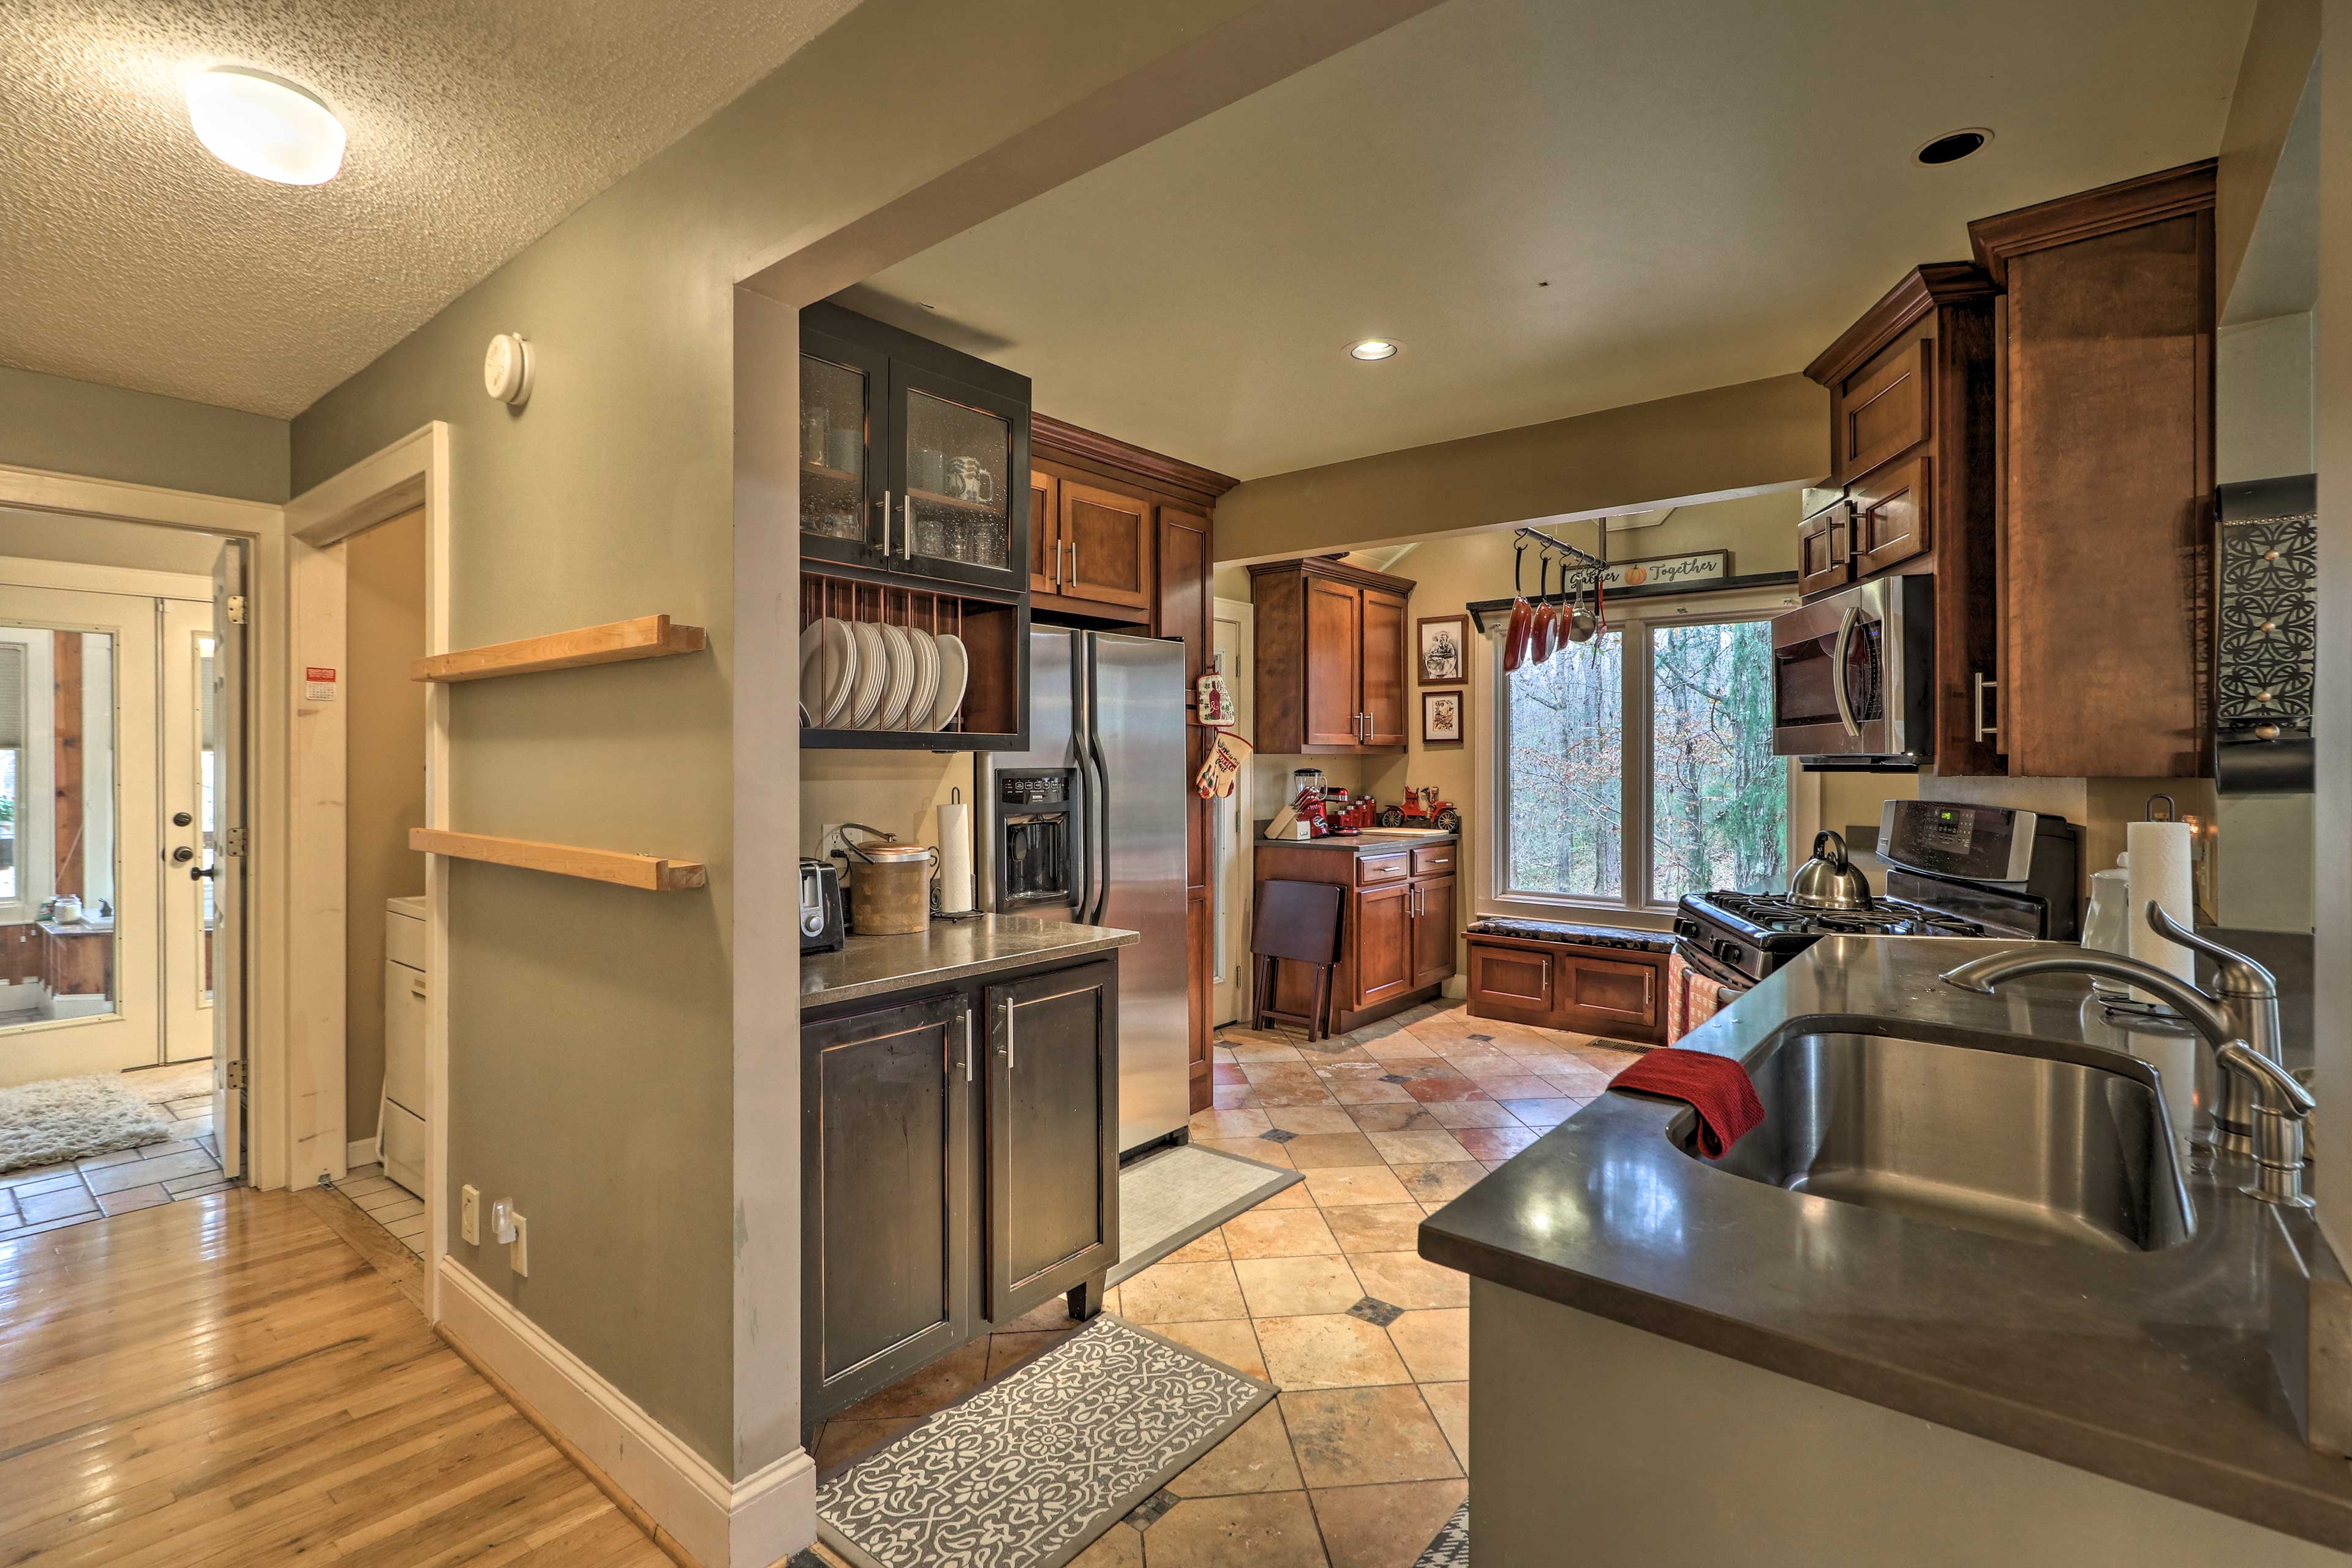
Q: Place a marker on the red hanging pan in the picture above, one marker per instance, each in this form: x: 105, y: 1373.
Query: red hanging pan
x: 1544, y: 640
x: 1515, y: 640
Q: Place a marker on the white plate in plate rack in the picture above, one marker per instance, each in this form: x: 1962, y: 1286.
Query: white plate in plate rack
x: 873, y: 675
x: 828, y: 669
x: 955, y: 670
x: 899, y: 691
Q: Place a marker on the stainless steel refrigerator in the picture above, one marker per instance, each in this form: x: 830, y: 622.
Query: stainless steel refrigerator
x: 1088, y: 825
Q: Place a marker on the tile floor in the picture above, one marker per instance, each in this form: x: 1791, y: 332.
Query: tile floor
x: 1318, y: 1289
x: 183, y: 1165
x: 388, y: 1203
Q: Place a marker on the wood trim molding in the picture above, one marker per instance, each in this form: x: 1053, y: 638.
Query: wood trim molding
x: 615, y: 642
x: 1921, y: 290
x: 1050, y: 438
x: 648, y: 873
x: 692, y: 1511
x: 1322, y: 566
x: 2127, y: 203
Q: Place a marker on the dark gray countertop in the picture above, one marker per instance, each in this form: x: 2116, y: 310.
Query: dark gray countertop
x: 1370, y: 840
x: 2150, y: 1368
x: 881, y: 965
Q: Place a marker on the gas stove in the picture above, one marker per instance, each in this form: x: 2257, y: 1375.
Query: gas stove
x: 1755, y: 933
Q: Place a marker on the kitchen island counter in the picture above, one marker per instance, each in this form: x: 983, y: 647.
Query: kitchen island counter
x: 2151, y: 1368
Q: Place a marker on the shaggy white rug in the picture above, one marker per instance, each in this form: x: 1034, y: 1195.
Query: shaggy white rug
x: 74, y: 1117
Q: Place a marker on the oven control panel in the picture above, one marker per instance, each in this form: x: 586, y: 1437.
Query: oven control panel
x: 1947, y: 838
x: 1033, y: 789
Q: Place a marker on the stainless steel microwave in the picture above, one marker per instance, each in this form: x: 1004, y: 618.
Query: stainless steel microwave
x: 1853, y: 676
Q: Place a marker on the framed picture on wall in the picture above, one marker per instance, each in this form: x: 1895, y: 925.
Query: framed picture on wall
x: 1445, y: 644
x: 1441, y: 718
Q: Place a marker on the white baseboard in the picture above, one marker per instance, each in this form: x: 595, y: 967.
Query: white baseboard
x: 751, y: 1524
x: 359, y: 1152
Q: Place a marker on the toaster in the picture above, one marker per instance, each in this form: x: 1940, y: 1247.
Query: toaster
x: 821, y: 922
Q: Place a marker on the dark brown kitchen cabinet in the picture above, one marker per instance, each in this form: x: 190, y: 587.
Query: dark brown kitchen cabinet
x: 1156, y: 512
x: 1894, y: 510
x: 1824, y: 550
x: 1332, y: 642
x: 2106, y: 339
x: 1432, y: 930
x: 958, y: 1165
x: 1045, y: 533
x: 1053, y: 1131
x: 888, y: 1235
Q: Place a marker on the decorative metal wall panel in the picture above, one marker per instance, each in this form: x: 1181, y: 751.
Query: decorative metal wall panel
x: 2267, y: 641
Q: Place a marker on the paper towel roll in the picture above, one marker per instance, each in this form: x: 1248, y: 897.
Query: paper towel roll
x: 2160, y: 859
x: 955, y: 858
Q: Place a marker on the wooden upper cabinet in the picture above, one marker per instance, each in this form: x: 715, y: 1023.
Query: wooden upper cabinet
x: 2107, y: 348
x: 1386, y: 632
x: 1333, y: 661
x: 1105, y: 546
x: 1184, y: 608
x: 1887, y: 408
x: 1332, y: 646
x: 1893, y: 512
x: 1825, y: 550
x: 1045, y: 533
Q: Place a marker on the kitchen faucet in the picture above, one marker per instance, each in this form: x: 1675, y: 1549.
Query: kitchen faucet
x: 2272, y: 1107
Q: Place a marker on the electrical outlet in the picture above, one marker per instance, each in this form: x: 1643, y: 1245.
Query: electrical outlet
x: 469, y: 1214
x: 519, y: 1259
x: 827, y: 843
x: 502, y: 1221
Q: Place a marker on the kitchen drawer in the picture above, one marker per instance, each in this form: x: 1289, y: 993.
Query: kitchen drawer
x: 1371, y: 870
x: 404, y: 1007
x: 1436, y: 860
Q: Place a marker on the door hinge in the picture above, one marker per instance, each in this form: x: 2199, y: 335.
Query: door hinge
x: 233, y: 842
x: 236, y: 609
x: 236, y: 1075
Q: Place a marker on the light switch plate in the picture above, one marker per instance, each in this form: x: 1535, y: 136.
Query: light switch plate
x: 469, y: 1214
x: 519, y: 1258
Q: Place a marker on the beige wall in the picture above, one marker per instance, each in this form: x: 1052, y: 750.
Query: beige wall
x: 897, y: 792
x: 111, y: 433
x: 383, y: 733
x: 1732, y: 439
x: 2270, y: 74
x: 599, y: 1070
x: 106, y: 542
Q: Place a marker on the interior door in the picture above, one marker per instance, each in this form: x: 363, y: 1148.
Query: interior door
x: 1386, y: 629
x: 185, y: 708
x: 223, y: 858
x: 1335, y: 663
x: 1229, y: 853
x: 77, y: 889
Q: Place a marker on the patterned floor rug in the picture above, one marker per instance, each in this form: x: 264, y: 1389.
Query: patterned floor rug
x: 1026, y: 1472
x: 1168, y: 1198
x: 62, y: 1119
x: 1451, y: 1547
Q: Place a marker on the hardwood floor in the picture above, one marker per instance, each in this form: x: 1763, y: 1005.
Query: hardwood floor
x: 223, y: 1382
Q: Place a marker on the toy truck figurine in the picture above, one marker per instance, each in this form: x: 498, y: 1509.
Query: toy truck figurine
x: 1422, y: 808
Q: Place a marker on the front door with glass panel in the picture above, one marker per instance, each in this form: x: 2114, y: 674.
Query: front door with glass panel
x: 190, y: 912
x: 79, y: 926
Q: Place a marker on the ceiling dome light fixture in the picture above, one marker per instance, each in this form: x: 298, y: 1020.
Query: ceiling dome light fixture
x: 1953, y: 146
x: 1374, y: 348
x: 265, y: 125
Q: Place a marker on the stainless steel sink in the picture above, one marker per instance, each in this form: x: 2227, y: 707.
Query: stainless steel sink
x: 2064, y: 1148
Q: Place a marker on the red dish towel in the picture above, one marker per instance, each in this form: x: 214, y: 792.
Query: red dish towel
x: 1718, y: 1087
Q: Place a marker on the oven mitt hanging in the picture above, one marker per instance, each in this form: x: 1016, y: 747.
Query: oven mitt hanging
x: 1227, y: 754
x: 1215, y: 701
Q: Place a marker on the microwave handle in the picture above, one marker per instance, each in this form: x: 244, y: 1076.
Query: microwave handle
x: 1837, y: 669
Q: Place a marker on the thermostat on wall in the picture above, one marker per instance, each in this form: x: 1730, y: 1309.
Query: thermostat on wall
x: 506, y: 369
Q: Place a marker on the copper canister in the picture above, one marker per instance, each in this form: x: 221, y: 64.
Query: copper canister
x: 890, y: 890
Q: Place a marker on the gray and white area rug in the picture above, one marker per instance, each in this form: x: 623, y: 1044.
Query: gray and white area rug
x: 1451, y: 1547
x: 1026, y: 1472
x: 62, y: 1119
x: 1165, y: 1199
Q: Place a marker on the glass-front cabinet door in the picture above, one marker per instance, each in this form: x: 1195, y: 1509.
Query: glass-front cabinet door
x: 960, y: 467
x: 844, y: 448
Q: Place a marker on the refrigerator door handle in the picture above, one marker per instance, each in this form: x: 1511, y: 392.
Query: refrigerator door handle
x: 1101, y: 823
x: 1090, y: 870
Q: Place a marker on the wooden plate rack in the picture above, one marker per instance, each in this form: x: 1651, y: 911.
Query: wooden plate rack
x: 988, y: 630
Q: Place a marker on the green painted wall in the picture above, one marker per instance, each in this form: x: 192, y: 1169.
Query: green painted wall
x: 111, y: 433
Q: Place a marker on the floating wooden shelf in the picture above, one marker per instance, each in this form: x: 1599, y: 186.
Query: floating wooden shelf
x: 651, y: 873
x: 839, y: 476
x: 648, y: 637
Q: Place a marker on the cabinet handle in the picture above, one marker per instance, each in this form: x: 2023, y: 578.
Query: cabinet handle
x: 1010, y: 1049
x: 1073, y: 562
x: 907, y: 526
x: 1058, y: 563
x: 967, y: 1044
x: 1984, y: 731
x: 886, y: 525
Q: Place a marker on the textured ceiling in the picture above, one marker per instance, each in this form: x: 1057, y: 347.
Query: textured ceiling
x: 130, y: 256
x: 1712, y: 190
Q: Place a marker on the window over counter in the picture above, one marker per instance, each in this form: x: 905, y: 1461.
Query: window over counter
x: 1638, y: 767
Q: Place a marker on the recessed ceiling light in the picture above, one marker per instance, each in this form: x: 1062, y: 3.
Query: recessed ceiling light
x: 1374, y: 348
x: 1953, y: 146
x: 268, y: 126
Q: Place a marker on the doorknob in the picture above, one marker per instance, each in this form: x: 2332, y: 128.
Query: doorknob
x: 198, y: 872
x: 182, y: 855
x: 181, y: 820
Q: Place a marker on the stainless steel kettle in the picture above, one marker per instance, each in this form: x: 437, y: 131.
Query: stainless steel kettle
x: 1830, y: 880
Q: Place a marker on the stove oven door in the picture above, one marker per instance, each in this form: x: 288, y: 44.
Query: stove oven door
x: 1697, y: 988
